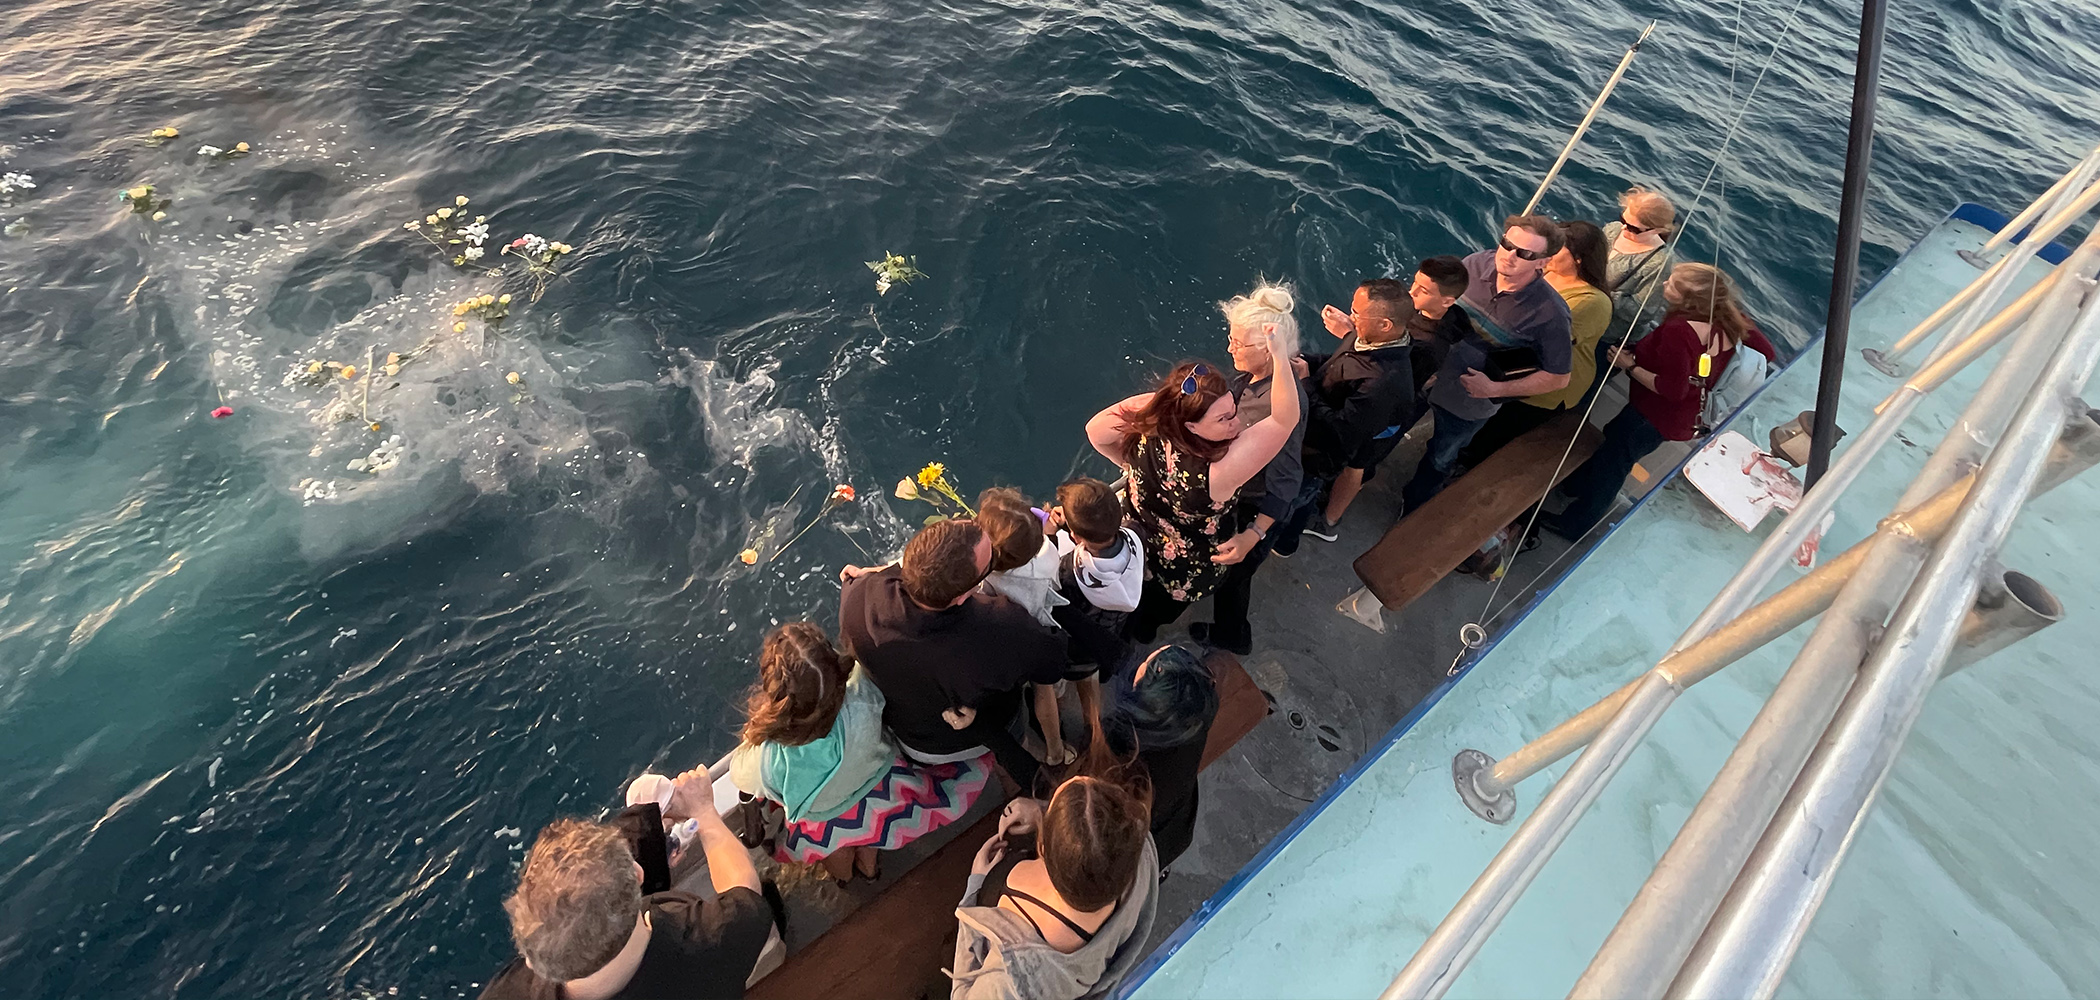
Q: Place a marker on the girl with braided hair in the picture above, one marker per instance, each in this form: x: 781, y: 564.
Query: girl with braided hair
x: 813, y: 743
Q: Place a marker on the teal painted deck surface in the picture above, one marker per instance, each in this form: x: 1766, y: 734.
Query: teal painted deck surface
x: 1969, y: 878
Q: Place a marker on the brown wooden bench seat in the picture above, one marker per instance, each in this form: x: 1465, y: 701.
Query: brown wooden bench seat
x: 1427, y: 544
x: 894, y: 946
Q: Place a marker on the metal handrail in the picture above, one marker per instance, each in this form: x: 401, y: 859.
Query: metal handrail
x: 2057, y: 207
x: 1436, y: 965
x: 1659, y: 928
x: 1750, y: 942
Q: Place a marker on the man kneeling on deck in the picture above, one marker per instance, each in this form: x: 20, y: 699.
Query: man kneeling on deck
x: 1519, y: 345
x: 584, y: 931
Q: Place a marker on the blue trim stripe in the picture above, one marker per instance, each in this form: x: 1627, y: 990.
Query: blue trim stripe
x: 1969, y: 212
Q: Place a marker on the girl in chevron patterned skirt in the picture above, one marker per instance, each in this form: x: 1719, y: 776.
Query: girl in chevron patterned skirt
x: 813, y: 743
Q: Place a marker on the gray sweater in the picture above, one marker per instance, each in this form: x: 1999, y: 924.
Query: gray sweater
x: 999, y: 955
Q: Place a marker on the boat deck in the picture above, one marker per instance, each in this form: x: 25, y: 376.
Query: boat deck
x: 1967, y: 879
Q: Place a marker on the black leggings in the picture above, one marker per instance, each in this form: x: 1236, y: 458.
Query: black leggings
x: 1156, y: 608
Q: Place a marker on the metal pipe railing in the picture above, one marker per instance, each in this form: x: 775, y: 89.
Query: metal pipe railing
x: 1659, y: 928
x: 1491, y: 784
x: 2059, y: 218
x: 1752, y: 938
x: 1436, y: 965
x: 2033, y: 209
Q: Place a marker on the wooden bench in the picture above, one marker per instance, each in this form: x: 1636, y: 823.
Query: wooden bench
x: 1427, y: 544
x: 895, y: 946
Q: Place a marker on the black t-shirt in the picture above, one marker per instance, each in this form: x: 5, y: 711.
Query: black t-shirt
x: 698, y: 950
x: 976, y: 654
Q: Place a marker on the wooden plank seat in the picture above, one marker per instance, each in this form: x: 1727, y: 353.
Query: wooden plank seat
x: 895, y: 945
x: 1427, y: 544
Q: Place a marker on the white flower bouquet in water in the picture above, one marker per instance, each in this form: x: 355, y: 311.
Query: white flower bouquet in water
x: 894, y: 269
x: 448, y: 230
x: 541, y: 255
x: 12, y: 182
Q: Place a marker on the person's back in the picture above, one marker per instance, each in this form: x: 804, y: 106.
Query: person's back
x: 1062, y: 899
x: 950, y: 663
x: 585, y: 932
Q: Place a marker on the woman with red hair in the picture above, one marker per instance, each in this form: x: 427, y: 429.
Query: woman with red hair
x: 1186, y: 456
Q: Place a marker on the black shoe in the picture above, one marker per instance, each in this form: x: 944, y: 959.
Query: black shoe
x: 1200, y: 631
x: 1320, y: 529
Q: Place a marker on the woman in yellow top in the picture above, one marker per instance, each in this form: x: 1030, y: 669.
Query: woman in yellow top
x: 1577, y: 273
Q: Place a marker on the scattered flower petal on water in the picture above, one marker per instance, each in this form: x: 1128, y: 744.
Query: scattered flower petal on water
x: 222, y: 413
x: 349, y: 371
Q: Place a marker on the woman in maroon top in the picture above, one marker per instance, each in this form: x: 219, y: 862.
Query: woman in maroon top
x: 1666, y: 391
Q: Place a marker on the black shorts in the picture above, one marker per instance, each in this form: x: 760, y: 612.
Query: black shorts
x: 1374, y: 451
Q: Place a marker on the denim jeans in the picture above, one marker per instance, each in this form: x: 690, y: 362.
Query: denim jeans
x: 1451, y: 436
x: 1595, y: 484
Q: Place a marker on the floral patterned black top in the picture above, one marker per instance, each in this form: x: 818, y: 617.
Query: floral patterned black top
x: 1171, y: 508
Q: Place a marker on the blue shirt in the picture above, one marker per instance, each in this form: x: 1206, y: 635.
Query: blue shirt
x: 1535, y: 315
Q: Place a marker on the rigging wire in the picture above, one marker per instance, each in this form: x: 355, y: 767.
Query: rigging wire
x: 1473, y: 634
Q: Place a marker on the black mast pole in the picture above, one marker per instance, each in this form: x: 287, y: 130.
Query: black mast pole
x: 1844, y: 272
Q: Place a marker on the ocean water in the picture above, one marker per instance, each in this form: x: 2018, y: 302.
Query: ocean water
x: 261, y: 743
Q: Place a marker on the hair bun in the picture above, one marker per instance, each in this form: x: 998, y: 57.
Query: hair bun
x: 1275, y: 298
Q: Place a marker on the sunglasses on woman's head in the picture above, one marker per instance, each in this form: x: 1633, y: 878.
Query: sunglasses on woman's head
x: 1523, y: 253
x: 1188, y: 385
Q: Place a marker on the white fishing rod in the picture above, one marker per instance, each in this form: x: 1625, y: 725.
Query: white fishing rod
x: 1595, y: 106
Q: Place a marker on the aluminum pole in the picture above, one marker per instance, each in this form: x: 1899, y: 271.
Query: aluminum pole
x: 1852, y: 205
x: 1595, y: 106
x: 1771, y: 618
x: 1659, y: 928
x: 1752, y: 938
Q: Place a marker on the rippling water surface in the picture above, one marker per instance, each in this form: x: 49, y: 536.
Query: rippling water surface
x: 258, y: 746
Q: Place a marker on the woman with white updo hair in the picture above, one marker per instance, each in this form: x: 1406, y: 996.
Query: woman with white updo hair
x: 1187, y: 455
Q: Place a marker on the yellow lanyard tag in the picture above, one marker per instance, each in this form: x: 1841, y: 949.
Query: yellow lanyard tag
x: 1706, y: 365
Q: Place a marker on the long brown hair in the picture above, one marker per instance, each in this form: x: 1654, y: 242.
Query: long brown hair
x: 1708, y: 296
x: 1094, y: 829
x: 801, y: 684
x: 1170, y: 411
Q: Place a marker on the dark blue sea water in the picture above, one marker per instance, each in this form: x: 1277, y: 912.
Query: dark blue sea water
x: 259, y: 747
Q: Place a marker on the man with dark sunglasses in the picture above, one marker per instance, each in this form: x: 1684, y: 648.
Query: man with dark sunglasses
x: 1519, y: 344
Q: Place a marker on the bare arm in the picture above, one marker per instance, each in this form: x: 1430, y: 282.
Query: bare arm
x: 1252, y: 450
x: 1105, y: 430
x: 728, y: 861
